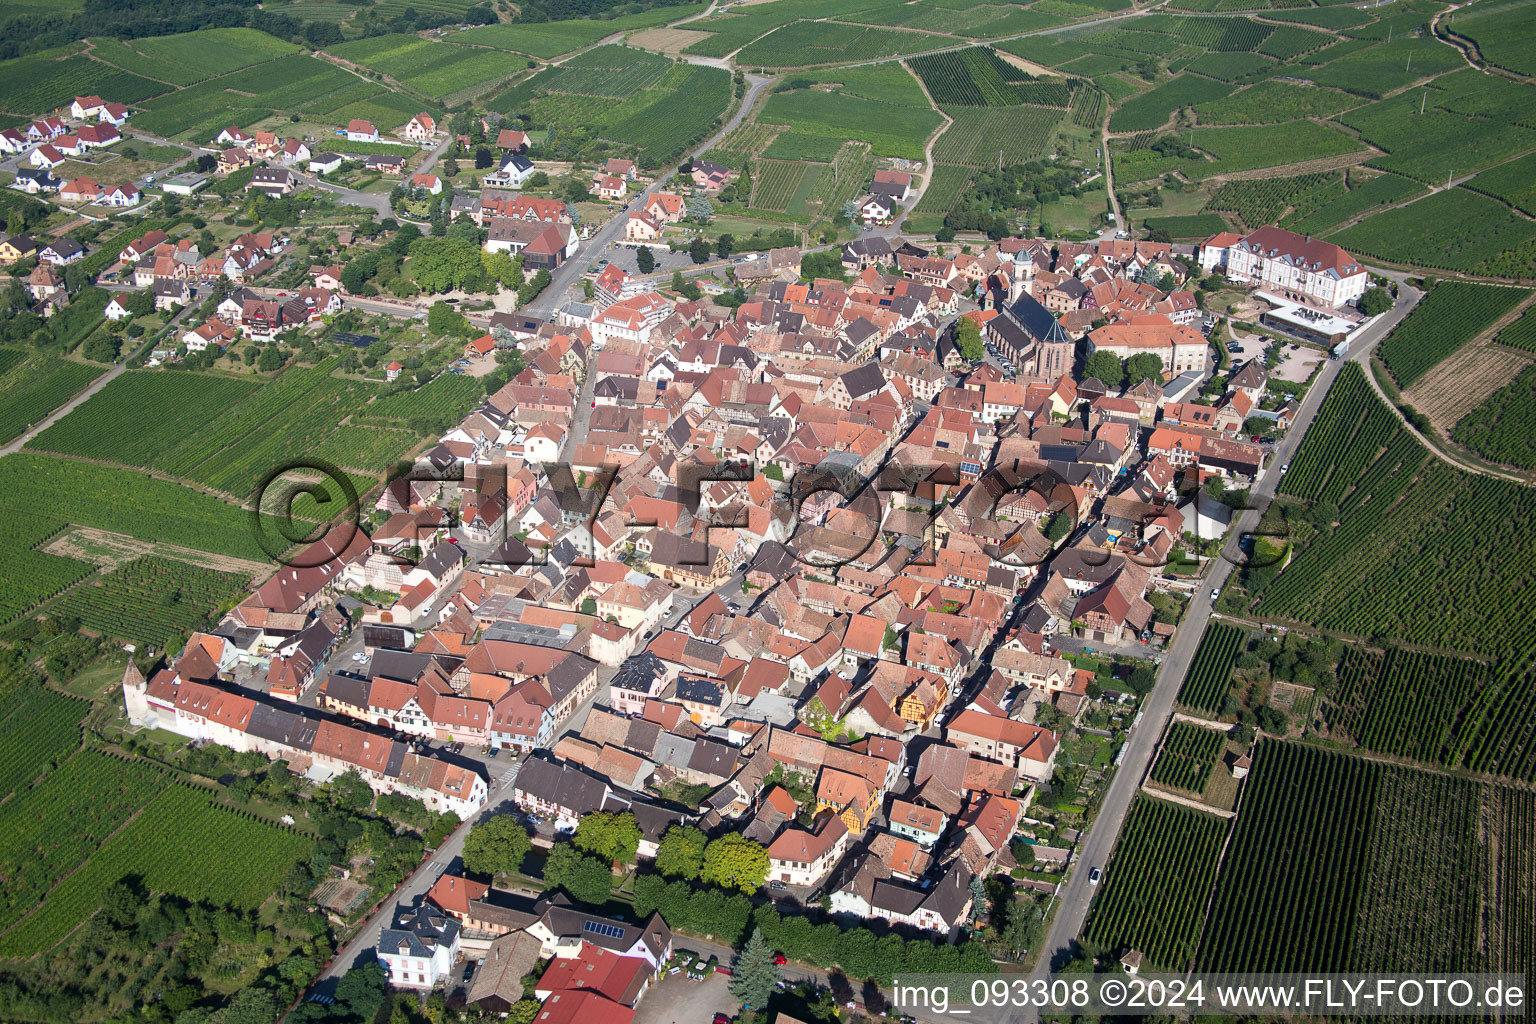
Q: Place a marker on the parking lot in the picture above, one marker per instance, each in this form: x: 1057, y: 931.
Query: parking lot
x: 624, y: 257
x: 676, y: 1000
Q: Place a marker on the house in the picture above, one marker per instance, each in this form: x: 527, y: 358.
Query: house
x: 294, y: 151
x: 97, y: 136
x: 325, y: 163
x: 642, y: 227
x: 45, y: 156
x: 359, y: 130
x: 498, y: 982
x: 61, y: 252
x: 86, y: 106
x: 431, y: 183
x: 515, y: 169
x: 233, y: 159
x: 33, y: 180
x: 421, y: 128
x: 894, y: 185
x: 620, y: 168
x: 1029, y: 749
x: 711, y: 177
x: 116, y: 310
x: 666, y: 207
x: 419, y: 950
x: 611, y: 187
x: 171, y: 292
x: 273, y: 181
x: 16, y: 247
x: 386, y: 163
x: 114, y: 114
x: 212, y: 332
x: 12, y: 141
x: 45, y: 128
x: 512, y: 140
x: 121, y: 196
x: 876, y: 209
x: 234, y: 136
x: 802, y: 856
x: 392, y: 371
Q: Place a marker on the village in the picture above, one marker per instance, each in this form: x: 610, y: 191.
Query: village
x: 837, y: 549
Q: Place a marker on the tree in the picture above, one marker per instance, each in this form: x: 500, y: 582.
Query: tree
x: 698, y: 250
x: 968, y: 339
x: 735, y: 862
x: 103, y: 348
x: 1106, y: 366
x: 589, y: 606
x: 587, y: 879
x: 645, y: 259
x: 1375, y: 301
x: 271, y: 359
x: 1059, y: 527
x: 613, y: 836
x: 524, y: 1011
x: 483, y: 158
x: 754, y: 975
x: 680, y: 854
x: 1142, y: 679
x: 445, y: 264
x: 1143, y: 366
x: 724, y: 245
x: 822, y: 264
x: 496, y: 846
x: 980, y: 904
x: 444, y: 319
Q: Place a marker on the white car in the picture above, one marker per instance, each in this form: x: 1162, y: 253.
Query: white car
x: 1284, y: 468
x: 1095, y: 876
x: 1215, y: 593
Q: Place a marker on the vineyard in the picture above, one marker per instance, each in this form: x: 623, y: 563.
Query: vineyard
x: 616, y: 71
x: 1152, y: 109
x: 1503, y: 428
x: 1294, y: 912
x: 1272, y: 101
x: 151, y: 601
x: 32, y: 576
x: 124, y: 502
x: 1339, y: 863
x: 1453, y: 229
x: 943, y: 189
x: 1452, y: 314
x: 1514, y: 182
x: 688, y: 106
x: 91, y: 792
x: 40, y: 85
x: 1261, y: 201
x: 1522, y: 333
x: 809, y: 43
x: 36, y: 726
x: 978, y: 77
x: 297, y: 82
x: 978, y: 135
x: 1210, y: 674
x: 1405, y: 703
x: 191, y: 57
x: 32, y: 388
x: 181, y: 843
x: 447, y: 398
x: 1189, y: 756
x: 774, y: 183
x: 1157, y: 882
x: 891, y: 129
x: 1362, y: 199
x: 1193, y: 225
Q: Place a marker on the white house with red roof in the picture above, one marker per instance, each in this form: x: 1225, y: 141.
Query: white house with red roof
x: 420, y: 128
x: 113, y: 113
x: 124, y: 195
x: 430, y: 182
x: 86, y: 106
x: 359, y: 130
x: 392, y: 371
x: 1295, y: 266
x: 45, y: 156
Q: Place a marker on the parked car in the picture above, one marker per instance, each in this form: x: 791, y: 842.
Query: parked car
x: 778, y: 958
x: 1215, y: 593
x: 1284, y: 468
x: 1095, y: 876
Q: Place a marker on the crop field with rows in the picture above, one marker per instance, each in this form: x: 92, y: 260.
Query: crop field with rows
x: 435, y: 68
x: 1247, y: 148
x: 681, y: 115
x: 158, y: 409
x: 297, y: 82
x: 1211, y: 672
x: 1406, y: 703
x: 616, y: 71
x: 51, y: 828
x: 1152, y: 109
x: 32, y: 388
x: 1514, y: 182
x: 1522, y: 333
x: 978, y: 77
x: 552, y: 38
x: 32, y: 86
x: 1261, y: 201
x: 447, y: 397
x: 1452, y: 314
x: 1365, y: 195
x: 980, y: 133
x: 152, y: 601
x: 1190, y: 753
x: 808, y: 43
x: 1396, y: 869
x: 944, y: 189
x: 181, y: 843
x: 36, y: 726
x: 191, y: 57
x: 1505, y: 34
x: 774, y: 183
x: 1272, y: 101
x: 124, y: 501
x: 1157, y: 883
x: 1503, y: 428
x: 32, y: 576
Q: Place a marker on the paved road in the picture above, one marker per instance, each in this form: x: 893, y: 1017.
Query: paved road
x: 1076, y: 893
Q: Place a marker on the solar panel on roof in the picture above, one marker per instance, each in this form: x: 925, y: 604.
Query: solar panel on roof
x: 603, y: 928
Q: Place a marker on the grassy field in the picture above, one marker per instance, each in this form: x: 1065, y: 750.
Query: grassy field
x: 552, y: 38
x: 436, y: 69
x: 191, y: 57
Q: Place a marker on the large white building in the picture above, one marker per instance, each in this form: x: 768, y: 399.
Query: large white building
x: 1179, y: 346
x: 419, y: 951
x: 1295, y: 266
